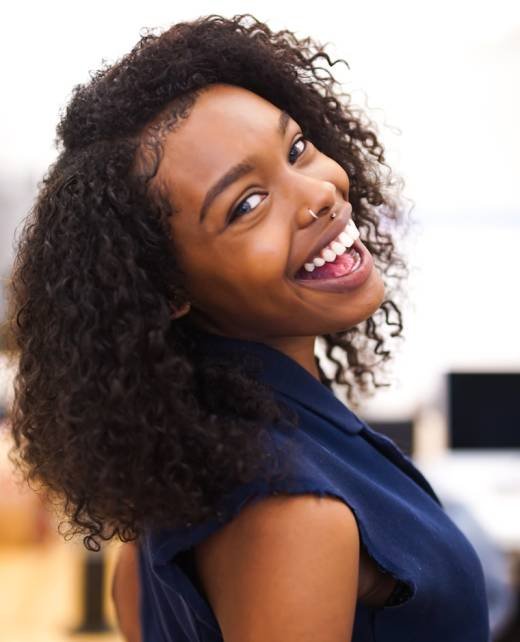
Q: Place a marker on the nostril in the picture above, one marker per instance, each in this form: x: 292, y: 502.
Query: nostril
x: 323, y: 211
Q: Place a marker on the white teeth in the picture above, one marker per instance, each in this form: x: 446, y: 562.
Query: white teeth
x: 328, y: 254
x: 352, y: 230
x: 349, y: 234
x: 338, y: 248
x: 346, y: 239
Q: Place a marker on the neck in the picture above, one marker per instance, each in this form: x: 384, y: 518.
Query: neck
x: 300, y: 349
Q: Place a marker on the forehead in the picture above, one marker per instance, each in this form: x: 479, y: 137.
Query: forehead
x: 225, y: 125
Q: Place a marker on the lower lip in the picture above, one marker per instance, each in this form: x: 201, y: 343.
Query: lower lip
x: 350, y: 281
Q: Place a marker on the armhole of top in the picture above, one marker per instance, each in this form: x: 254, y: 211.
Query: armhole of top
x: 403, y: 592
x: 186, y: 561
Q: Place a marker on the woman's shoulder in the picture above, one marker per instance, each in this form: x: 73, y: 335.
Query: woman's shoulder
x: 278, y: 554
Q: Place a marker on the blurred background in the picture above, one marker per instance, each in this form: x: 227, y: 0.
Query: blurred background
x: 442, y: 84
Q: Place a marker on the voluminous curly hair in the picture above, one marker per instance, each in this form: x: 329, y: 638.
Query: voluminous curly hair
x: 115, y: 413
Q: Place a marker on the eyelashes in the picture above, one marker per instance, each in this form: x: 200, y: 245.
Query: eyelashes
x: 236, y: 212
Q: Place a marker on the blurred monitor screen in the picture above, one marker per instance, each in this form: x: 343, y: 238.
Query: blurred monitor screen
x: 400, y: 432
x: 484, y: 409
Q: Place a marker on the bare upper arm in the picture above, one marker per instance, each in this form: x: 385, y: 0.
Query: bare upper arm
x: 284, y: 569
x: 125, y: 592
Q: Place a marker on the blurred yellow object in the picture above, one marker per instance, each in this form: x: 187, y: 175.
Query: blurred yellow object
x: 41, y: 596
x: 24, y: 518
x: 41, y: 574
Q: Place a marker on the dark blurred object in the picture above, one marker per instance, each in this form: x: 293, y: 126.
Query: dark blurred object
x: 93, y: 617
x: 483, y: 409
x: 400, y: 432
x: 512, y: 631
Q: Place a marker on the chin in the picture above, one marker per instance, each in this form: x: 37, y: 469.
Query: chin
x: 378, y: 298
x: 376, y: 295
x: 364, y: 309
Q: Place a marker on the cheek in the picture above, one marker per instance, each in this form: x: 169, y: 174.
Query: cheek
x: 238, y: 272
x: 266, y: 255
x: 259, y: 255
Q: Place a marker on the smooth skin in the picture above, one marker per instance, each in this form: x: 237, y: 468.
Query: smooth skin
x: 125, y: 592
x: 286, y: 567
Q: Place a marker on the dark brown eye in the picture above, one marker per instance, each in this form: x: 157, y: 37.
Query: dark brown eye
x: 302, y: 147
x: 239, y: 210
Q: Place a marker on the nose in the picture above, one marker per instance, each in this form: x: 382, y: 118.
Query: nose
x: 320, y: 198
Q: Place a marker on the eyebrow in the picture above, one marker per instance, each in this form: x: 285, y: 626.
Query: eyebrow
x: 236, y: 172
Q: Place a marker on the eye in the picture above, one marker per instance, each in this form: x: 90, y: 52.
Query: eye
x: 242, y: 207
x: 304, y: 145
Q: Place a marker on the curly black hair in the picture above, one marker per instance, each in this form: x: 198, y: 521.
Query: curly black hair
x: 115, y: 412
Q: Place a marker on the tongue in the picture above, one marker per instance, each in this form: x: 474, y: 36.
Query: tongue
x: 341, y: 265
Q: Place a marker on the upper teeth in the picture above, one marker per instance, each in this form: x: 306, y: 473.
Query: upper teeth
x: 336, y: 247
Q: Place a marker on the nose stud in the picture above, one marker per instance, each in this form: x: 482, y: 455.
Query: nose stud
x: 332, y: 215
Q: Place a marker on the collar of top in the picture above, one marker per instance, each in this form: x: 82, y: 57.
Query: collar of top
x: 286, y: 377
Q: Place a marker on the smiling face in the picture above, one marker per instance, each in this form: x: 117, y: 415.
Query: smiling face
x: 242, y: 238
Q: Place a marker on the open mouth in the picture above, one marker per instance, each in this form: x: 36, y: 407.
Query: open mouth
x: 339, y: 258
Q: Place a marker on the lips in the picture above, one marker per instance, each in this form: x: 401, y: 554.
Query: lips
x: 329, y: 235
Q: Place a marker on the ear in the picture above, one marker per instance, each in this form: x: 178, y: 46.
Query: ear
x: 181, y: 311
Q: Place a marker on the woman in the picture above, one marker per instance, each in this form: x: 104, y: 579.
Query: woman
x: 217, y: 208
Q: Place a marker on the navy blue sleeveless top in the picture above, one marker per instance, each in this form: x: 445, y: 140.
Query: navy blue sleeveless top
x: 440, y: 594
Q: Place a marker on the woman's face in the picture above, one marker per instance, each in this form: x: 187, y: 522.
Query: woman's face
x: 242, y: 238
